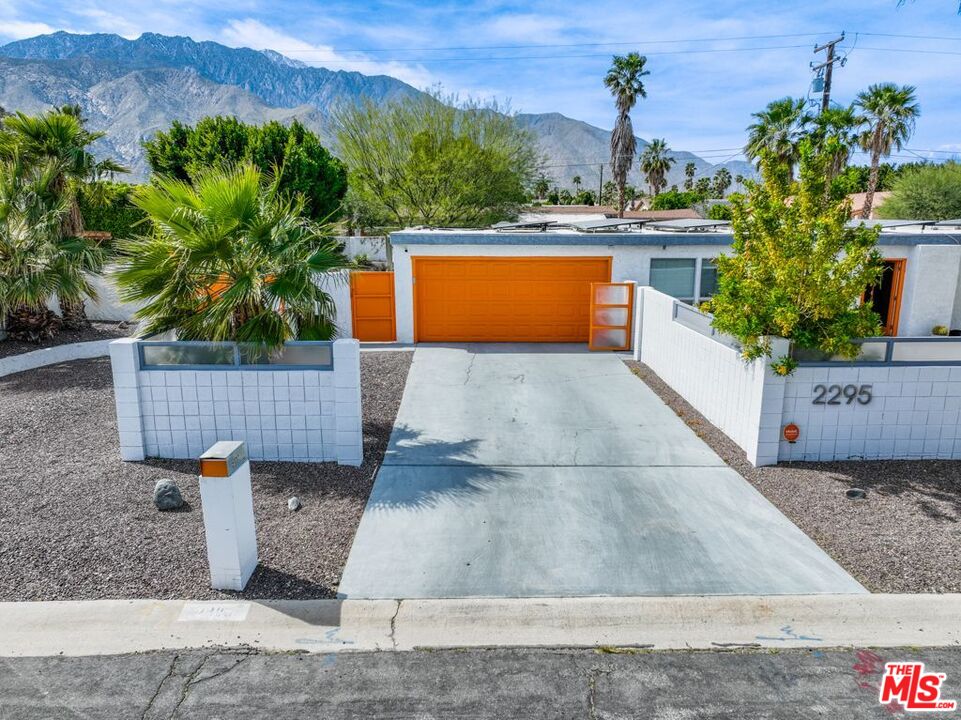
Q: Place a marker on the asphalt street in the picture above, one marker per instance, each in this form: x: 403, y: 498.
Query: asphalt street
x: 476, y: 684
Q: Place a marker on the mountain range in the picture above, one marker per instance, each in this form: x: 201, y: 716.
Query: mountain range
x: 130, y: 89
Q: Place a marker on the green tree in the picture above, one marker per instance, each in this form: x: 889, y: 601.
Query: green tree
x: 719, y: 211
x: 60, y: 139
x: 928, y: 192
x: 230, y: 257
x: 429, y: 161
x: 576, y: 182
x: 797, y: 270
x: 656, y: 162
x: 690, y: 169
x: 291, y: 153
x: 105, y: 207
x: 674, y: 200
x: 777, y: 130
x: 703, y: 186
x: 37, y: 261
x: 721, y: 182
x: 890, y: 113
x: 623, y: 79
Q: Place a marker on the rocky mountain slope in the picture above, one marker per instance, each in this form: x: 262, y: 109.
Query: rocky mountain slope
x: 132, y: 88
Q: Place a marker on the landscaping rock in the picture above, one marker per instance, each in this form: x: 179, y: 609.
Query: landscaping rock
x: 294, y: 504
x: 857, y: 494
x: 167, y: 496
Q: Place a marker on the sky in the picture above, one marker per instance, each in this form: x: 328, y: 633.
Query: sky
x: 711, y: 63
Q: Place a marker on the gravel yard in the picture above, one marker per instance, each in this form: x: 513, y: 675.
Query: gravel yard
x: 77, y: 523
x: 904, y: 538
x: 96, y: 331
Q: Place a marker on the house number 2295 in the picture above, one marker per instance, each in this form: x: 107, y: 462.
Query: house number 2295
x: 841, y: 394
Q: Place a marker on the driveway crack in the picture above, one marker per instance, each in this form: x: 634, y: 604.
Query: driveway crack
x: 393, y: 624
x: 470, y: 368
x: 164, y: 679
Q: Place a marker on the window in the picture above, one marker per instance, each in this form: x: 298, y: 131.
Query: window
x: 708, y: 280
x: 674, y: 276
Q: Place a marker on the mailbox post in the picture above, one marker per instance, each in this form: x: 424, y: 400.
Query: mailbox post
x: 228, y: 507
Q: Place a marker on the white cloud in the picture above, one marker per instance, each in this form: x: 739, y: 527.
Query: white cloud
x: 258, y: 36
x: 20, y: 29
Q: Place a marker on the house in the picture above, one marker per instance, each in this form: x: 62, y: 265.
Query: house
x: 857, y: 202
x: 525, y: 281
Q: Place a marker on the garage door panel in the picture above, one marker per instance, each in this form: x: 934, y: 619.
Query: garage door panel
x: 532, y: 299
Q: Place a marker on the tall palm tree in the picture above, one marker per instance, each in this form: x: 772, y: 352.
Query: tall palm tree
x: 778, y: 129
x: 576, y: 180
x: 230, y: 258
x: 60, y: 136
x: 689, y: 171
x: 624, y: 81
x: 655, y: 164
x: 37, y: 260
x: 890, y: 113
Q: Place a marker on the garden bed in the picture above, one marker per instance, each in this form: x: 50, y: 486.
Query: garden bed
x: 905, y: 537
x: 96, y: 331
x: 78, y: 523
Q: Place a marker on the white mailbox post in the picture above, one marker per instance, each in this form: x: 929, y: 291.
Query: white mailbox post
x: 228, y: 507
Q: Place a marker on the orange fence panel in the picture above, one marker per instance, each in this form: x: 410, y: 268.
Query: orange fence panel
x: 372, y: 306
x: 612, y: 314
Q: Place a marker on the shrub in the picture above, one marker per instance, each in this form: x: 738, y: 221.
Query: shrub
x: 939, y: 330
x: 675, y: 200
x: 719, y: 211
x: 928, y: 192
x: 106, y: 207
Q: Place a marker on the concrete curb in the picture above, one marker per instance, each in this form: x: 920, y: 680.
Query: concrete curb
x: 54, y: 355
x: 104, y: 627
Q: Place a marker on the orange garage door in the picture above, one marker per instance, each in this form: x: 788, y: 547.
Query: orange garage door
x: 509, y: 299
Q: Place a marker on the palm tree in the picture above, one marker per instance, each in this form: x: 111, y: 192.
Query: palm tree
x: 37, y: 260
x: 722, y: 181
x: 778, y: 129
x: 576, y: 180
x: 890, y: 113
x: 835, y: 132
x: 60, y: 136
x: 230, y: 258
x: 624, y: 81
x: 655, y: 164
x: 689, y: 171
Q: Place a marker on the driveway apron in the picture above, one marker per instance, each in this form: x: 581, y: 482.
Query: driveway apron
x: 548, y: 471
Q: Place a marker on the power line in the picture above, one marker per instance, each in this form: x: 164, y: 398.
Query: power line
x: 562, y: 45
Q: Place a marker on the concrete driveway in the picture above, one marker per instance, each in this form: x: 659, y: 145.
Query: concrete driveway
x: 536, y: 470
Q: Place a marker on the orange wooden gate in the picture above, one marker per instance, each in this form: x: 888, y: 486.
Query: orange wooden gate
x: 612, y: 312
x: 372, y: 305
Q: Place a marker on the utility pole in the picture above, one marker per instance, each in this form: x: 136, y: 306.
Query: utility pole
x: 600, y: 185
x: 827, y: 66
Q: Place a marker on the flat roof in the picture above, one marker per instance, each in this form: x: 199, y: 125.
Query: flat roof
x: 643, y: 236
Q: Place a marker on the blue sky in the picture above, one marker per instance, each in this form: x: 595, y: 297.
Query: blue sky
x: 551, y: 56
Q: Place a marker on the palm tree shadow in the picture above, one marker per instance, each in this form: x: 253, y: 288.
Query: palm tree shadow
x: 934, y: 486
x: 423, y: 473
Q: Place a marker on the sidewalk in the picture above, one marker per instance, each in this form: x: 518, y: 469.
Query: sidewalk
x: 104, y: 627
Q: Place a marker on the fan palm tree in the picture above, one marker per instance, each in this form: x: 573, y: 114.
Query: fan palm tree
x: 60, y: 136
x: 37, y: 260
x: 230, y: 258
x: 689, y: 171
x: 722, y: 181
x: 655, y: 164
x: 835, y: 131
x: 576, y: 181
x: 778, y: 129
x: 624, y: 81
x: 890, y: 113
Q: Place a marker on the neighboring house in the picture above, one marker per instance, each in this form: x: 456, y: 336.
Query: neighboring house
x: 570, y: 213
x: 857, y: 202
x: 520, y: 283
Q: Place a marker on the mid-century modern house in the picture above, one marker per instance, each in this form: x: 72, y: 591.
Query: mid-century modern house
x: 525, y: 281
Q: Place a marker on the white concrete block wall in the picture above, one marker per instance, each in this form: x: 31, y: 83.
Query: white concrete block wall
x: 913, y: 413
x: 300, y: 415
x: 742, y: 399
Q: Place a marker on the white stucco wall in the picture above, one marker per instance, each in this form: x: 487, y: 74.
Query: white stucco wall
x: 628, y: 263
x: 375, y: 248
x: 930, y: 287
